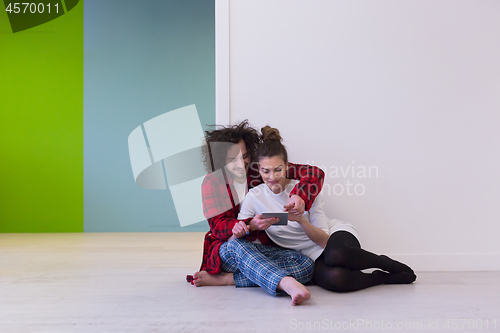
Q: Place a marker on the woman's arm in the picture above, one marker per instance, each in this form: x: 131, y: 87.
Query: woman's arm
x: 310, y: 182
x: 314, y: 233
x: 222, y: 226
x: 249, y: 211
x: 317, y: 228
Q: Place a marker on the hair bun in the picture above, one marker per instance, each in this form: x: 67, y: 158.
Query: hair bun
x: 270, y: 133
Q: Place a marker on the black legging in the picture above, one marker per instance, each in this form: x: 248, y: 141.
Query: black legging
x: 339, y: 266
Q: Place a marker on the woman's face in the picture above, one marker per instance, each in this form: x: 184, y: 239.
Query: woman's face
x: 273, y: 172
x: 237, y: 161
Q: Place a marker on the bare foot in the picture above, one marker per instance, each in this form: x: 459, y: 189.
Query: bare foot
x: 295, y: 289
x: 202, y: 278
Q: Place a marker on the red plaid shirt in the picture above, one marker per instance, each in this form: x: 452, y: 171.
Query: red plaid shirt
x: 221, y: 212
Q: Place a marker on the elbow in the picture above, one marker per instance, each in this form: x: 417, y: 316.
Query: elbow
x: 321, y: 174
x: 325, y: 240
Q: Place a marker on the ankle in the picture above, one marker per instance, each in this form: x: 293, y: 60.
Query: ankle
x: 286, y: 282
x: 380, y: 277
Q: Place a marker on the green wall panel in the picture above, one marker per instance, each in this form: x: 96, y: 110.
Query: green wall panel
x: 41, y: 112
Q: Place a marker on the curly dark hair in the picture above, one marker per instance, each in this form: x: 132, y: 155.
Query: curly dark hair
x: 231, y: 134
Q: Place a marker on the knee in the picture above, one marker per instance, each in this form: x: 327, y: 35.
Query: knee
x: 337, y: 279
x: 340, y: 279
x: 300, y: 259
x: 236, y: 245
x: 306, y: 267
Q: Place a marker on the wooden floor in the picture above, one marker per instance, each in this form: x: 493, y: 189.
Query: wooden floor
x: 135, y: 282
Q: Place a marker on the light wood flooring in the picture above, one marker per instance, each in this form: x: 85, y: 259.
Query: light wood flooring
x: 135, y: 282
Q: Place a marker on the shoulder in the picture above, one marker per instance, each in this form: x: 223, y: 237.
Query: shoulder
x: 214, y: 182
x: 305, y: 170
x: 213, y: 179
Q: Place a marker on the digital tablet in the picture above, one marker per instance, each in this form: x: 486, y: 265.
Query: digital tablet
x: 283, y: 216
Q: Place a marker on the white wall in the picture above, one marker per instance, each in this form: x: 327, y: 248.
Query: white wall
x: 411, y: 87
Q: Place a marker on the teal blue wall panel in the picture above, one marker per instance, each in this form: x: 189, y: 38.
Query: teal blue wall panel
x: 141, y: 59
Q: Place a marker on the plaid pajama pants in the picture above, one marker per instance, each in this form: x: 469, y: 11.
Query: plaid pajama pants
x: 255, y: 265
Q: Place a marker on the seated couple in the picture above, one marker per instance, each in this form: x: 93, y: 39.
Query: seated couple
x: 246, y: 250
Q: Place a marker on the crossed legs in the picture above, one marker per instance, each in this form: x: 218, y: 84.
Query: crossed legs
x: 277, y: 270
x: 339, y: 266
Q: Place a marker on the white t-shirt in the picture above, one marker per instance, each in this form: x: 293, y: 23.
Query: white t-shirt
x: 241, y: 190
x: 261, y: 199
